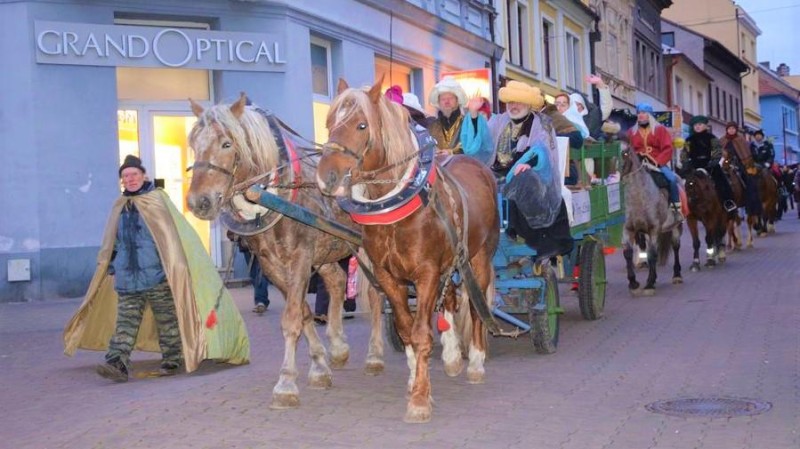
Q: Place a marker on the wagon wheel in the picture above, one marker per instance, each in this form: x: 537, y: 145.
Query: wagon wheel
x: 391, y: 331
x: 592, y: 280
x: 544, y: 318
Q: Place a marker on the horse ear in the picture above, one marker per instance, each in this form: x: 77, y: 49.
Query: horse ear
x: 375, y: 91
x: 238, y: 108
x: 197, y: 110
x: 342, y: 86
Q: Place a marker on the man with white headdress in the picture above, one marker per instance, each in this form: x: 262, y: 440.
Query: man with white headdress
x: 455, y: 133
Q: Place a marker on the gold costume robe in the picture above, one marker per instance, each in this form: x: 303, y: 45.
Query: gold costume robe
x: 195, y: 285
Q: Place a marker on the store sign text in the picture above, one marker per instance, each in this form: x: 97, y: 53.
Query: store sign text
x: 131, y: 46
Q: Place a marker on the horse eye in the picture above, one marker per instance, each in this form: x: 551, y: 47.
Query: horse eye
x: 226, y: 145
x: 362, y: 126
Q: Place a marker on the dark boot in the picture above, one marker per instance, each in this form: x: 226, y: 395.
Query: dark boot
x: 169, y: 369
x: 113, y: 370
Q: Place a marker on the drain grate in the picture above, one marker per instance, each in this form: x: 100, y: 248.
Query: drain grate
x: 709, y: 407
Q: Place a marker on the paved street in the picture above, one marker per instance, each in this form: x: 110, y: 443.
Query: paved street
x: 729, y: 332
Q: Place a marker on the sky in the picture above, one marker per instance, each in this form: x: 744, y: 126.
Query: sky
x: 780, y: 38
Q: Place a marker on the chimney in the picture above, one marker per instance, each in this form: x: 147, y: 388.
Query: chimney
x: 782, y: 70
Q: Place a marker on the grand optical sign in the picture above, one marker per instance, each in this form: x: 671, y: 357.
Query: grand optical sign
x: 136, y: 46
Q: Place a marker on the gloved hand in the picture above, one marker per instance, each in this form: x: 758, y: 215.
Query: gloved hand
x: 110, y: 270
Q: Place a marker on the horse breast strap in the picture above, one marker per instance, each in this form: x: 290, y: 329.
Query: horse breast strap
x: 414, y: 195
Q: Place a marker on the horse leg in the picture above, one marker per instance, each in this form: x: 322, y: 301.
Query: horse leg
x: 397, y: 295
x: 295, y: 318
x: 418, y: 409
x: 319, y: 373
x: 451, y: 350
x: 652, y: 261
x: 711, y: 247
x: 627, y: 252
x: 335, y: 281
x: 692, y: 224
x: 751, y: 221
x: 374, y: 364
x: 676, y: 249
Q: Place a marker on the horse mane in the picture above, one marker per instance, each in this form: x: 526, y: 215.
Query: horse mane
x: 387, y: 121
x: 250, y: 133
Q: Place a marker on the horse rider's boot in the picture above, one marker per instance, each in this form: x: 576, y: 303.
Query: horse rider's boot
x: 730, y: 206
x: 676, y: 212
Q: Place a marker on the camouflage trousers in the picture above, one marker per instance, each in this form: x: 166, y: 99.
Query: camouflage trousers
x: 130, y: 310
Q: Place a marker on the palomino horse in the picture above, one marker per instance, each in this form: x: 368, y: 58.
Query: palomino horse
x: 705, y: 207
x: 234, y: 144
x: 646, y: 214
x: 370, y: 156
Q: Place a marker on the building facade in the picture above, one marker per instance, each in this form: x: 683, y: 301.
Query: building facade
x: 723, y: 95
x: 648, y: 62
x: 731, y: 26
x: 779, y: 108
x: 548, y: 44
x: 94, y: 81
x: 614, y: 50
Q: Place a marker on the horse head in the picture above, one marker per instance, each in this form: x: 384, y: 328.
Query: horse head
x: 366, y: 132
x: 630, y: 160
x: 699, y: 186
x: 231, y: 143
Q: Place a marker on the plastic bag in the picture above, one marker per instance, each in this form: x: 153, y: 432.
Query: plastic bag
x: 536, y: 199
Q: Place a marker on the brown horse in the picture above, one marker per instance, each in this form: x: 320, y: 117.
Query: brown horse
x: 768, y: 192
x: 371, y: 154
x: 234, y: 144
x: 646, y: 217
x: 705, y: 207
x: 740, y: 198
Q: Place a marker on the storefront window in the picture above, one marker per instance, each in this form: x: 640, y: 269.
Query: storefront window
x: 394, y: 74
x: 128, y: 130
x: 321, y: 85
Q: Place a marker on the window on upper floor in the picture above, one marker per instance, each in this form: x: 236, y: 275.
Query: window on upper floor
x: 691, y: 100
x: 549, y: 47
x: 668, y: 38
x: 717, y: 111
x: 738, y: 112
x: 789, y: 117
x: 518, y: 33
x: 701, y: 104
x: 679, y: 92
x: 573, y: 61
x: 613, y: 54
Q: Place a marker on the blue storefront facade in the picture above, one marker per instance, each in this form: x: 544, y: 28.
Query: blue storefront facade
x: 93, y: 81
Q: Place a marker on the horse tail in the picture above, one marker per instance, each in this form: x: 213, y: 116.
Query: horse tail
x: 664, y: 245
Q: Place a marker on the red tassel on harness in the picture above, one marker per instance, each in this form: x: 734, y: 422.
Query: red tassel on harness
x: 441, y: 323
x: 211, y: 321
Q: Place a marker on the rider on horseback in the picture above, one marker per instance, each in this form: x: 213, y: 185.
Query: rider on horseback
x: 735, y: 150
x: 764, y: 153
x: 704, y: 151
x: 653, y: 143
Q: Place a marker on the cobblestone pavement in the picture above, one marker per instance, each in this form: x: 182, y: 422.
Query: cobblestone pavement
x: 733, y: 331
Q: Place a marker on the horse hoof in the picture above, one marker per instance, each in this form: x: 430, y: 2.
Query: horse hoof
x: 694, y: 268
x: 417, y: 415
x: 321, y: 381
x: 710, y: 264
x: 677, y: 280
x: 373, y: 368
x: 749, y: 245
x: 454, y: 368
x: 649, y: 292
x: 338, y: 361
x: 476, y: 377
x: 283, y: 401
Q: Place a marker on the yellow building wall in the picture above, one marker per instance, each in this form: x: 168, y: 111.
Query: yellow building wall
x: 717, y: 20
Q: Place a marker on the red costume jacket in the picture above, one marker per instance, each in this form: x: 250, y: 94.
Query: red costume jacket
x: 653, y: 141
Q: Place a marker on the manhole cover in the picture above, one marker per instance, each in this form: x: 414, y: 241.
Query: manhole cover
x: 709, y: 407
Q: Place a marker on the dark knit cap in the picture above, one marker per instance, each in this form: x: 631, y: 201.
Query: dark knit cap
x: 759, y: 131
x: 698, y: 119
x: 131, y: 161
x: 729, y: 124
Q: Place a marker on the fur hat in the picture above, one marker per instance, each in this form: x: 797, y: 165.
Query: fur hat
x: 448, y: 84
x: 734, y: 124
x: 698, y: 119
x: 412, y: 101
x: 516, y: 91
x: 131, y: 161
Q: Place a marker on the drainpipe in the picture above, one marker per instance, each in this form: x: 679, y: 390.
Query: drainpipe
x: 493, y: 61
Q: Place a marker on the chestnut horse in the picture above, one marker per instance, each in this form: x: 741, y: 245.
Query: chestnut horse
x: 768, y: 192
x: 705, y: 207
x: 371, y: 153
x: 646, y: 213
x: 235, y: 144
x: 740, y: 198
